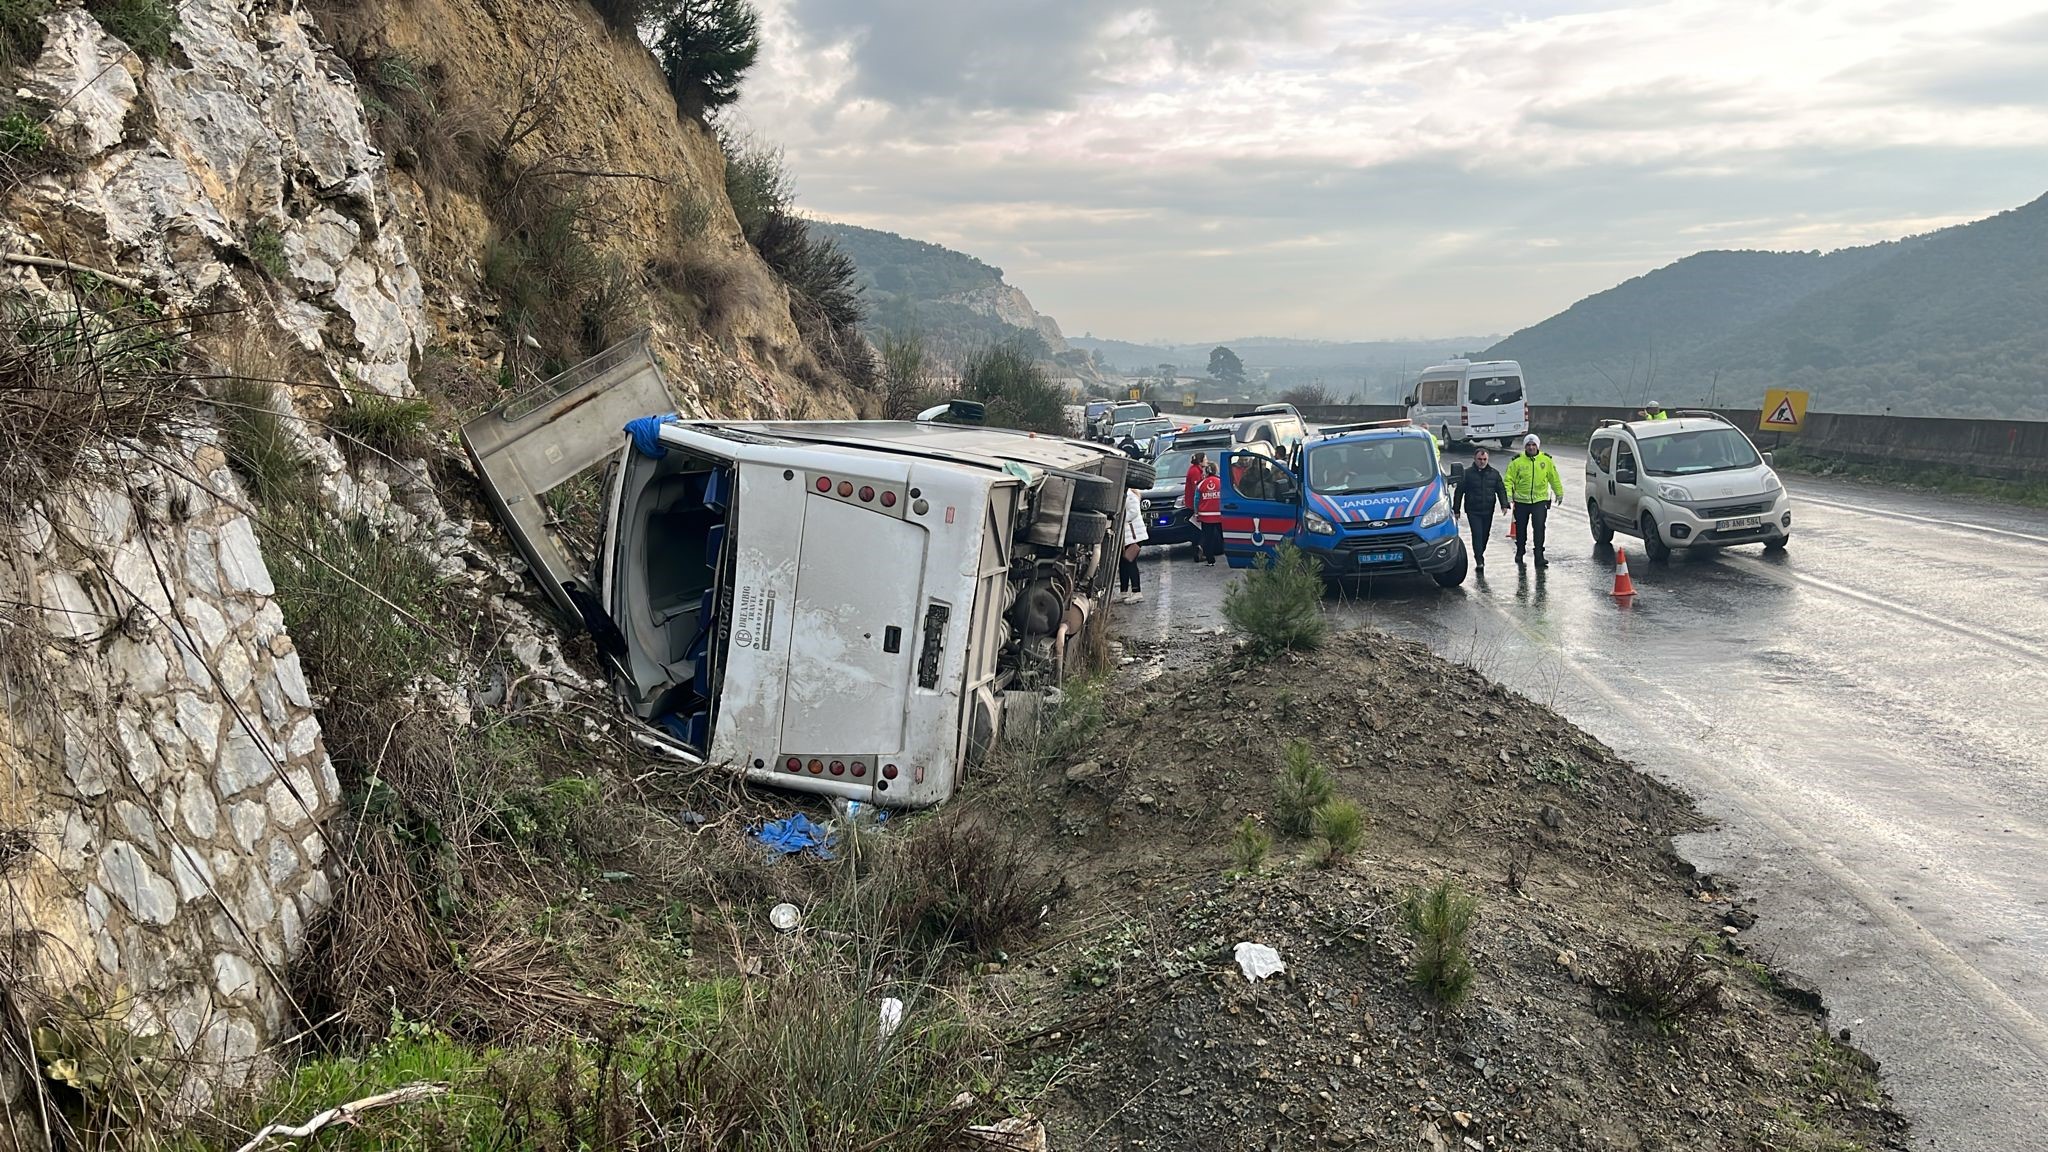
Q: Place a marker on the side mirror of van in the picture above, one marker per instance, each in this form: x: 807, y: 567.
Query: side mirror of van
x: 956, y: 412
x: 1770, y: 460
x: 1624, y: 475
x: 1409, y: 400
x: 1457, y: 471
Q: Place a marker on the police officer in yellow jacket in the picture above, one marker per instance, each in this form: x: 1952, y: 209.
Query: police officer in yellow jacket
x: 1532, y: 482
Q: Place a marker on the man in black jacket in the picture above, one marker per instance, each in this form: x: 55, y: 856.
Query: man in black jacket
x: 1478, y: 490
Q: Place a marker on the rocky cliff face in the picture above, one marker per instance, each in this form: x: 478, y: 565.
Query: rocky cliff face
x: 166, y: 792
x: 1007, y: 303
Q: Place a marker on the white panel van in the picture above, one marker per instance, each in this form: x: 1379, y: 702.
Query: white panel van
x: 1467, y: 400
x: 841, y: 607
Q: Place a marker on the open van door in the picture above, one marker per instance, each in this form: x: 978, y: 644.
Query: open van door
x: 1261, y: 504
x: 532, y: 451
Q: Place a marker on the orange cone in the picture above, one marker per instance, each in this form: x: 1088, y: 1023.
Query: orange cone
x: 1511, y: 526
x: 1623, y: 586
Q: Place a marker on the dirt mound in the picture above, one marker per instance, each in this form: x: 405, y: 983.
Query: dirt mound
x: 1140, y: 1032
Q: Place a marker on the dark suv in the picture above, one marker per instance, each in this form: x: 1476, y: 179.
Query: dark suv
x: 1167, y: 520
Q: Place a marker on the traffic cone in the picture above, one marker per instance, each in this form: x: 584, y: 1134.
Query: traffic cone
x: 1511, y: 526
x: 1623, y: 586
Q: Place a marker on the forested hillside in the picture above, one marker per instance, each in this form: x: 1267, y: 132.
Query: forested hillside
x: 953, y: 302
x: 1951, y: 324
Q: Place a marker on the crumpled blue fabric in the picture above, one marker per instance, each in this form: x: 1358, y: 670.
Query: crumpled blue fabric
x: 794, y: 835
x: 646, y: 434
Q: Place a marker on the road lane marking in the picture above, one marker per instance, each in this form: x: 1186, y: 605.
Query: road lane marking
x: 1790, y: 578
x: 1888, y: 514
x: 2002, y: 1011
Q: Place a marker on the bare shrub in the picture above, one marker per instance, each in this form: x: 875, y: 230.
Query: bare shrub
x: 1665, y: 986
x: 73, y: 379
x: 962, y: 881
x: 385, y: 949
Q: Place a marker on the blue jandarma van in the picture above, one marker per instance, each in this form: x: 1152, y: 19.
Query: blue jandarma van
x: 1364, y: 500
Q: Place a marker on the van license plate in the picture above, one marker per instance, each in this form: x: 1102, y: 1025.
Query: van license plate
x: 1738, y: 524
x: 1381, y: 557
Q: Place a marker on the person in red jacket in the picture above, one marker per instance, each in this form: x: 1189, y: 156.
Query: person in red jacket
x: 1209, y: 513
x: 1189, y: 485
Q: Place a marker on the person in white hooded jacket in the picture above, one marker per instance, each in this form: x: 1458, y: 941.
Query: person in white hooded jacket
x: 1128, y: 580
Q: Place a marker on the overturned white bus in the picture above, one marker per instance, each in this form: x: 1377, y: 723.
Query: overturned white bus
x: 842, y: 607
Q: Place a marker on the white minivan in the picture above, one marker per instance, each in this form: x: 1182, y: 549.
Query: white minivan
x: 841, y: 607
x: 1467, y: 400
x: 1692, y: 481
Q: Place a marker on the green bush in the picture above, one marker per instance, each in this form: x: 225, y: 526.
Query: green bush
x: 823, y: 280
x: 1340, y: 824
x: 1305, y: 785
x: 144, y: 25
x: 21, y: 31
x: 1250, y: 846
x: 1067, y: 730
x: 1441, y: 917
x: 1008, y: 379
x: 552, y: 281
x: 385, y: 425
x: 22, y: 135
x: 1278, y: 604
x: 258, y: 442
x: 265, y: 249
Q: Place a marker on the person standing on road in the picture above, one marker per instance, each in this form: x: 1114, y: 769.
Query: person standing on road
x: 1478, y: 490
x: 1128, y: 580
x: 1532, y: 482
x: 1655, y: 411
x: 1189, y: 493
x: 1209, y: 512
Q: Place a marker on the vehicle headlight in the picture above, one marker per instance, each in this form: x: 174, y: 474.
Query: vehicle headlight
x: 1772, y: 484
x: 1674, y: 491
x: 1438, y: 513
x: 1317, y: 525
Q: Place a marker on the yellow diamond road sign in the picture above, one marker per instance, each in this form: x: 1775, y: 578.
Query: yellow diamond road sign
x: 1784, y: 411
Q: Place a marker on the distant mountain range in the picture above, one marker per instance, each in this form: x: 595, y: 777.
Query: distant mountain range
x: 1376, y: 371
x: 953, y: 301
x: 1953, y: 323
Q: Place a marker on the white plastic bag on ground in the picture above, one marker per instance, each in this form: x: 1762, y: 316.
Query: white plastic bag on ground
x: 1258, y: 961
x: 892, y: 1016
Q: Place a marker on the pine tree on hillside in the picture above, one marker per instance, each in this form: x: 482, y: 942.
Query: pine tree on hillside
x: 705, y: 47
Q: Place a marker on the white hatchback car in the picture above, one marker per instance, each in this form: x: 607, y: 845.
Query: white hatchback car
x: 1692, y: 481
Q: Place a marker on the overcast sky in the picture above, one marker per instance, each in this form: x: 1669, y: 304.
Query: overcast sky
x: 1204, y: 169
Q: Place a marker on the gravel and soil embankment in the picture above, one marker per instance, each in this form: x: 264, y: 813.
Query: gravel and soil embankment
x: 1135, y: 1029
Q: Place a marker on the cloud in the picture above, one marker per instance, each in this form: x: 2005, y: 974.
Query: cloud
x: 1393, y: 166
x: 981, y: 55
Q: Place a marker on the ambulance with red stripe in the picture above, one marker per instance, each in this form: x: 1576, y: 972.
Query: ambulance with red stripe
x: 1363, y: 500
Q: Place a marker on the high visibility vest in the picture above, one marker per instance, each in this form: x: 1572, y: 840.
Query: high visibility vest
x: 1211, y: 509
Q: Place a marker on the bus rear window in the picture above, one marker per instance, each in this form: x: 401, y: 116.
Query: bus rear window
x: 1487, y: 391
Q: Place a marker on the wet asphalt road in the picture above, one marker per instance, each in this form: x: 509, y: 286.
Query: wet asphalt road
x: 1864, y: 715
